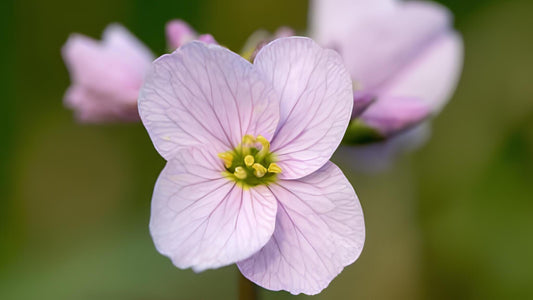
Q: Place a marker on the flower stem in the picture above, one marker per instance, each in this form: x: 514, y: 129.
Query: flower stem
x: 247, y: 289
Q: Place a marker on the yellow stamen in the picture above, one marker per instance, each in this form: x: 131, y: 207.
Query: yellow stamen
x: 266, y: 146
x: 240, y: 173
x: 248, y: 140
x: 260, y: 170
x: 249, y: 160
x: 227, y: 157
x: 274, y: 168
x: 264, y: 142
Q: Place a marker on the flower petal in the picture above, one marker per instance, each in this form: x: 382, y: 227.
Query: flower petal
x: 316, y: 102
x: 390, y: 115
x: 90, y: 107
x: 206, y: 96
x: 319, y: 230
x: 178, y: 33
x: 106, y: 76
x: 361, y: 101
x: 202, y: 220
x: 378, y: 39
x: 207, y: 38
x: 115, y: 67
x: 103, y: 67
x: 124, y: 44
x: 329, y: 19
x: 433, y: 76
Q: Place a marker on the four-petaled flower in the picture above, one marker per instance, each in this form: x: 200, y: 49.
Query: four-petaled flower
x: 248, y: 178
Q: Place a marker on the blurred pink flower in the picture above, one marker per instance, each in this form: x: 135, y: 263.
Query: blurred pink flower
x: 248, y: 178
x: 179, y: 33
x: 106, y: 76
x: 404, y: 55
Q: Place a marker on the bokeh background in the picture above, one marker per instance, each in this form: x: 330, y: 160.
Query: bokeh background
x: 453, y: 220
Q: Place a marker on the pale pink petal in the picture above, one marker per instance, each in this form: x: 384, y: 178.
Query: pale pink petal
x: 125, y: 45
x: 390, y: 115
x: 319, y: 230
x: 106, y: 76
x: 91, y: 107
x: 206, y: 96
x: 433, y: 76
x: 329, y: 19
x: 207, y: 38
x: 283, y: 32
x: 316, y: 102
x: 179, y: 33
x: 202, y: 220
x: 114, y: 67
x: 377, y: 40
x: 361, y: 101
x: 93, y: 66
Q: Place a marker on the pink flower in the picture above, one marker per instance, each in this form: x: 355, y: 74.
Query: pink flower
x: 248, y: 178
x: 404, y: 55
x: 179, y: 33
x: 106, y: 76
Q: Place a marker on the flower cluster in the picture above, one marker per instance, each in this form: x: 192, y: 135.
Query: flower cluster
x: 248, y: 138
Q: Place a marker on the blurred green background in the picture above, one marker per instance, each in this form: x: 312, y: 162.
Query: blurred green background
x: 454, y: 220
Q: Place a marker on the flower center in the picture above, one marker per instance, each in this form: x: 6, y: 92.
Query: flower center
x: 251, y: 163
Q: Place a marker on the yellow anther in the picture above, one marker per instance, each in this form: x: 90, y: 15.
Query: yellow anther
x: 265, y: 149
x: 240, y: 173
x: 248, y: 140
x: 264, y: 142
x: 274, y: 168
x: 227, y: 157
x: 249, y: 160
x: 260, y: 170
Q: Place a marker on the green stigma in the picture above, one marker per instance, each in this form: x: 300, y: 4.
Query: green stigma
x: 251, y: 163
